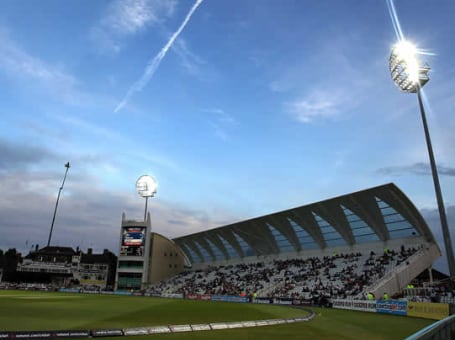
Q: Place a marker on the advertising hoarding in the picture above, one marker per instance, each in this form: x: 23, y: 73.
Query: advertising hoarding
x: 428, y: 310
x: 391, y: 307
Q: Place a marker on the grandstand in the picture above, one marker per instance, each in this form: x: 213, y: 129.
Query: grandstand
x: 374, y: 240
x: 370, y: 241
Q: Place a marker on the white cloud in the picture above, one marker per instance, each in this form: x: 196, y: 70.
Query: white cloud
x: 220, y: 121
x: 134, y: 152
x: 17, y: 62
x: 93, y: 129
x: 220, y: 115
x: 316, y: 92
x: 189, y: 61
x: 126, y: 17
x: 316, y: 105
x: 48, y: 77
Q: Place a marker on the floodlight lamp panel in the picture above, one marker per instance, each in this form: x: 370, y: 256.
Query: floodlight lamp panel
x: 405, y: 50
x: 406, y: 71
x: 146, y: 186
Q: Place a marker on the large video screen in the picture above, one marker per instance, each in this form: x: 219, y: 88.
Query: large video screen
x: 133, y: 241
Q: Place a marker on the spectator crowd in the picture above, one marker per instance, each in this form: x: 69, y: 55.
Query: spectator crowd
x: 341, y: 275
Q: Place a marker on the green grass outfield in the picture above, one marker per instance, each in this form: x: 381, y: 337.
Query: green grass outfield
x: 22, y: 310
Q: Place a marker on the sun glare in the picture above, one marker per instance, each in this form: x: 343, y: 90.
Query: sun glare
x: 406, y: 52
x: 406, y: 70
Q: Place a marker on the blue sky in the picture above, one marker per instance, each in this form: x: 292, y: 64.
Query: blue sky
x: 239, y: 108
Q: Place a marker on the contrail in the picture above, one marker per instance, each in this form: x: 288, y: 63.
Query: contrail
x: 395, y: 21
x: 153, y: 64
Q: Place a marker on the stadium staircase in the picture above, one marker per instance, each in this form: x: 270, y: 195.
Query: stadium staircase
x: 265, y: 292
x: 398, y: 277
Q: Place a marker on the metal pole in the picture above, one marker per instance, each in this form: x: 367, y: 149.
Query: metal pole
x: 145, y: 213
x: 67, y: 166
x: 437, y: 189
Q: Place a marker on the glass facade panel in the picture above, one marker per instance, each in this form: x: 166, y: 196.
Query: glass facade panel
x: 396, y: 224
x: 204, y: 252
x: 388, y: 211
x: 331, y: 236
x: 282, y: 241
x: 360, y: 229
x: 218, y: 254
x: 305, y: 239
x: 402, y: 233
x: 394, y: 218
x: 366, y: 238
x: 381, y: 203
x: 246, y: 248
x: 233, y: 254
x: 193, y: 255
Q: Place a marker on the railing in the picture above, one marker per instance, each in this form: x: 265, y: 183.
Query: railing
x: 265, y: 291
x: 419, y: 259
x: 440, y: 330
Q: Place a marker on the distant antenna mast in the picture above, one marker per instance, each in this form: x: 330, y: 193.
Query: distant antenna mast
x: 67, y: 166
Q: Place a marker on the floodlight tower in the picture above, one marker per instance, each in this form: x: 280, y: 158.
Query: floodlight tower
x: 410, y: 75
x: 67, y: 166
x: 146, y: 187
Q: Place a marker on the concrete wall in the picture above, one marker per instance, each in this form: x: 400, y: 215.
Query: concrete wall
x: 167, y: 259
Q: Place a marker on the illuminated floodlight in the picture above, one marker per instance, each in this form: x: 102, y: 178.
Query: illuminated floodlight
x: 407, y: 71
x: 146, y: 186
x: 410, y: 75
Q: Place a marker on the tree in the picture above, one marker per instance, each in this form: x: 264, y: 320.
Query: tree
x: 10, y: 260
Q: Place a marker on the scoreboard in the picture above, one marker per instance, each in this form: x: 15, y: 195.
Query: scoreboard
x: 133, y: 241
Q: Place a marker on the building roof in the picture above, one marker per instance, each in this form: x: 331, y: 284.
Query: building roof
x: 381, y: 213
x: 105, y: 257
x: 55, y: 250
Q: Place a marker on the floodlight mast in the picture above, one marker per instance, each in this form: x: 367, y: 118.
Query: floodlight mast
x: 67, y: 166
x: 410, y: 76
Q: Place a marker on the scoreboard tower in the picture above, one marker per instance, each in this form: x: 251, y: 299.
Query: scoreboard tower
x: 133, y: 265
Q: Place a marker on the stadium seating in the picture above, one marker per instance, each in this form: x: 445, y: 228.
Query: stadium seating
x: 341, y: 275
